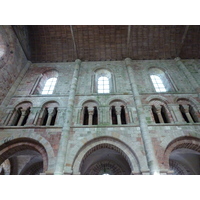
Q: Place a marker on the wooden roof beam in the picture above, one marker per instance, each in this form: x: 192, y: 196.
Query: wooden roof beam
x: 128, y: 40
x: 183, y: 40
x: 75, y: 49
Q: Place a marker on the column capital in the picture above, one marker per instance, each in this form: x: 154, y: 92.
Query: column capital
x: 118, y: 110
x: 23, y: 111
x: 158, y: 108
x: 78, y: 61
x: 177, y: 59
x: 128, y: 61
x: 51, y: 111
x: 186, y: 108
x: 91, y: 111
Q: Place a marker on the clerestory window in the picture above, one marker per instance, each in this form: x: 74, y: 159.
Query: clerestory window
x: 161, y: 81
x: 49, y: 86
x: 103, y: 82
x: 45, y: 84
x: 158, y: 84
x: 103, y: 85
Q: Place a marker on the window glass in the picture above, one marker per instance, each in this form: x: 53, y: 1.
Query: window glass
x: 49, y: 86
x: 103, y: 85
x: 158, y: 84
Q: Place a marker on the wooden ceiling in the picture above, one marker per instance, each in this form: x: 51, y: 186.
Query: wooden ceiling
x: 65, y: 43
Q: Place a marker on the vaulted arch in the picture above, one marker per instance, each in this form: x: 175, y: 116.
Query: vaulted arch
x: 99, y: 148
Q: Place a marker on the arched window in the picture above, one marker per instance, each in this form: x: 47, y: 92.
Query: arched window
x: 160, y: 80
x: 45, y: 84
x: 20, y: 115
x: 103, y: 85
x: 89, y: 113
x: 188, y: 110
x: 160, y: 111
x: 103, y: 82
x: 188, y: 113
x: 118, y: 112
x: 49, y: 86
x: 48, y: 114
x: 158, y: 84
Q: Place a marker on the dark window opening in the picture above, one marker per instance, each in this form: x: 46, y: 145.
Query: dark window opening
x: 53, y: 119
x: 45, y: 117
x: 85, y: 116
x: 192, y: 114
x: 95, y: 117
x: 155, y: 115
x: 123, y: 115
x: 26, y: 116
x: 164, y: 115
x: 17, y: 116
x: 183, y: 113
x: 114, y: 115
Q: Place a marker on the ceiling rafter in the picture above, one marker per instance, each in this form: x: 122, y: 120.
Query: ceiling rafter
x: 128, y: 40
x: 183, y: 39
x: 74, y: 42
x: 101, y: 43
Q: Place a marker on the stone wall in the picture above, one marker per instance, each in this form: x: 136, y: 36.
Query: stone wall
x: 128, y: 134
x: 12, y: 60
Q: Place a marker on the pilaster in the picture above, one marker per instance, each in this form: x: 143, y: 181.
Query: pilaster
x: 148, y: 146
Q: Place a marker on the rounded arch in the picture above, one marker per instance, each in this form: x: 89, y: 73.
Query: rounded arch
x: 156, y: 97
x: 110, y: 143
x: 12, y: 147
x: 187, y: 142
x: 107, y: 84
x: 160, y: 79
x: 112, y: 100
x: 46, y: 82
x: 51, y: 73
x: 51, y: 100
x: 101, y: 68
x: 52, y: 103
x: 190, y: 100
x: 19, y: 103
x: 41, y: 142
x: 88, y: 99
x: 157, y: 68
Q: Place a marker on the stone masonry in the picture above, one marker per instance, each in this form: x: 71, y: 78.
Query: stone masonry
x: 64, y: 145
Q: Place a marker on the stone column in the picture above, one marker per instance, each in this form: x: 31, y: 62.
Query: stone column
x: 187, y: 113
x: 32, y: 116
x: 118, y: 113
x: 91, y: 112
x: 62, y: 151
x: 40, y: 116
x: 51, y: 113
x: 36, y: 112
x: 22, y: 117
x: 177, y: 114
x: 110, y: 115
x: 158, y: 111
x: 148, y: 146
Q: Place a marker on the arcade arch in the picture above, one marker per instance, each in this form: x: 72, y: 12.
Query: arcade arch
x: 106, y: 156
